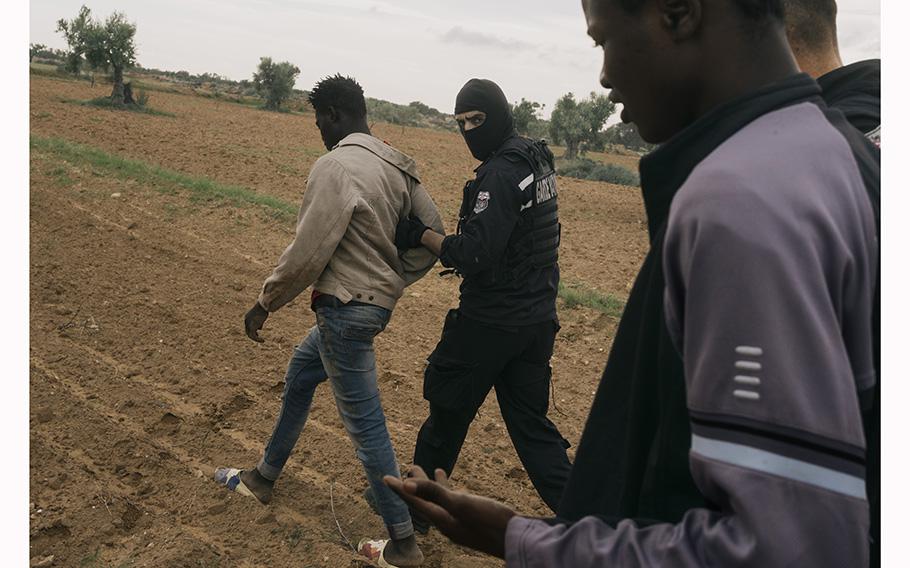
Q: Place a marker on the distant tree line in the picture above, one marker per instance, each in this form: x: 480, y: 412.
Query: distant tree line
x: 109, y: 46
x: 527, y: 120
x: 44, y: 53
x: 200, y: 79
x: 623, y: 134
x: 415, y: 114
x: 578, y: 125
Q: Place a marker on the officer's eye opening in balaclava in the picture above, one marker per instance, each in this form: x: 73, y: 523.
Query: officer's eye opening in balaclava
x: 486, y: 96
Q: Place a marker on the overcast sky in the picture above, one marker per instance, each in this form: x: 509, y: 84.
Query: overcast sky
x: 399, y: 50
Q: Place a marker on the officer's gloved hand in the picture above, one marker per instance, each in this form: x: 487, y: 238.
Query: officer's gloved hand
x: 408, y: 233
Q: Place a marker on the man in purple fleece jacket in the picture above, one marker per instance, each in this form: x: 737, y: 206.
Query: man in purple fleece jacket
x: 762, y: 206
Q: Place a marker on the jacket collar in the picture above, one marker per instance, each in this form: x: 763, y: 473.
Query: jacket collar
x: 862, y: 75
x: 382, y: 149
x: 665, y: 169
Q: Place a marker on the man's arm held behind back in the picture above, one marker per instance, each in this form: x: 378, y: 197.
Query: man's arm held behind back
x: 416, y: 262
x: 432, y: 241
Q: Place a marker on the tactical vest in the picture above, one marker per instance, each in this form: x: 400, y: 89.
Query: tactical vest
x: 534, y: 243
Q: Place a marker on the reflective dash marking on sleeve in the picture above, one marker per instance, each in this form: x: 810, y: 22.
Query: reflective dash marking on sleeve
x: 749, y: 351
x: 747, y: 380
x: 748, y: 395
x: 526, y: 182
x: 748, y: 365
x: 775, y: 464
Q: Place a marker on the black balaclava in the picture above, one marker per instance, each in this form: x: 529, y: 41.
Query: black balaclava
x: 486, y: 96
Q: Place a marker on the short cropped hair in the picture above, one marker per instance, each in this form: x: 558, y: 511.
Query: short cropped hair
x: 812, y: 23
x: 755, y: 10
x: 343, y: 93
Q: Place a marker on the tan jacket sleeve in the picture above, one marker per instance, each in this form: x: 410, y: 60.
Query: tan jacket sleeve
x: 326, y: 211
x: 418, y: 261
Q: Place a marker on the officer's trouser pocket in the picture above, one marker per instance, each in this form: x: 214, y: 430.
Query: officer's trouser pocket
x: 447, y: 382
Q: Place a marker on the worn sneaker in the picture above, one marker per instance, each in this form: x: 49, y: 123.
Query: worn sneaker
x: 230, y: 477
x: 374, y: 550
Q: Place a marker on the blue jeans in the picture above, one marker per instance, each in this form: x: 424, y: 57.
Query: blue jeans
x: 340, y: 348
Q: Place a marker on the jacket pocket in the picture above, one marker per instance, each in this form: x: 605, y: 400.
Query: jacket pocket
x: 447, y: 382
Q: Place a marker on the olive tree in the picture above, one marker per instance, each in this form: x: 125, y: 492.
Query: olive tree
x: 108, y: 46
x: 75, y: 32
x: 524, y: 114
x: 627, y: 135
x: 275, y: 81
x: 579, y: 124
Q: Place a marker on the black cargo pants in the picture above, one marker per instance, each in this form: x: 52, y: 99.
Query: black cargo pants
x: 471, y: 358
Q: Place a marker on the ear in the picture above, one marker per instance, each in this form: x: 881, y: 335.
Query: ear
x: 681, y: 18
x: 333, y: 114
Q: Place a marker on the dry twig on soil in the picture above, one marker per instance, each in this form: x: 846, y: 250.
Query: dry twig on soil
x: 334, y: 516
x: 100, y: 495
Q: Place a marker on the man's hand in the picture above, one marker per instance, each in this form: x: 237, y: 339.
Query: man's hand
x: 408, y: 233
x: 469, y: 520
x: 253, y: 321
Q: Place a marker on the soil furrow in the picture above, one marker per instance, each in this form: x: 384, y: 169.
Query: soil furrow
x: 183, y: 474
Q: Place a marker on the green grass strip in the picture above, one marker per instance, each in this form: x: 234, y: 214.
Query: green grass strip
x: 142, y: 172
x: 573, y: 295
x: 577, y: 295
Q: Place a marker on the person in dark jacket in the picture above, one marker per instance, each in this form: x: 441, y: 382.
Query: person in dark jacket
x: 646, y: 458
x: 853, y: 89
x: 502, y: 333
x: 756, y: 192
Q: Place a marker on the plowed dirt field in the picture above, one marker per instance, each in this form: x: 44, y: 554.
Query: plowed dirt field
x: 142, y: 380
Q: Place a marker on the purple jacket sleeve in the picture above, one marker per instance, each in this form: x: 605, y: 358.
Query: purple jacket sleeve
x: 768, y: 297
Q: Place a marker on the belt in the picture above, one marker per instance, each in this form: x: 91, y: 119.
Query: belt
x: 330, y: 301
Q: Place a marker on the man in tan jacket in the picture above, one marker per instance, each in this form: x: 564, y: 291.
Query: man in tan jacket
x: 345, y: 248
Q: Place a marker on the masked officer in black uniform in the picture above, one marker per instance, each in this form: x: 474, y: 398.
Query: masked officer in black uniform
x: 501, y: 335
